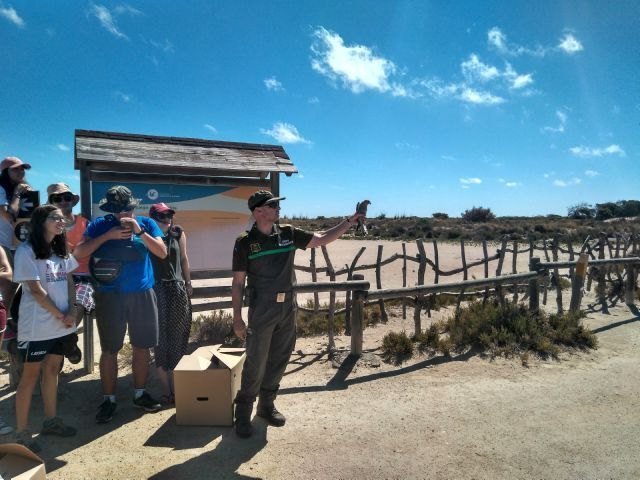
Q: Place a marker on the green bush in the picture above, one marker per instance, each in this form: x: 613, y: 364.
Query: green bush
x: 478, y: 214
x: 213, y: 328
x: 506, y: 329
x: 396, y: 347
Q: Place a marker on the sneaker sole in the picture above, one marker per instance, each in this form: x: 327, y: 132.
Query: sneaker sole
x: 149, y: 409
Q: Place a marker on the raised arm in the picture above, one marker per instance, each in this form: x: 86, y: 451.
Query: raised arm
x: 323, y: 238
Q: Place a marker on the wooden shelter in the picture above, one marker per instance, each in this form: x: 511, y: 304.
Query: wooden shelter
x: 207, y: 182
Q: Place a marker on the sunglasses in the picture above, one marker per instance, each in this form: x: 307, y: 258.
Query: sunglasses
x: 61, y: 197
x: 163, y: 216
x: 56, y: 218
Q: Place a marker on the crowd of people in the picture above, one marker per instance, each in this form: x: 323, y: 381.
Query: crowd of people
x: 134, y: 271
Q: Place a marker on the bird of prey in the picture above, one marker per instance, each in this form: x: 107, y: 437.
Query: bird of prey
x: 361, y: 207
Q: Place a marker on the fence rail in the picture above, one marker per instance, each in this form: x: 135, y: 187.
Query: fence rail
x: 585, y: 265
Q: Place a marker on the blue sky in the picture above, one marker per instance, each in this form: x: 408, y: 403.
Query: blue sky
x: 420, y: 106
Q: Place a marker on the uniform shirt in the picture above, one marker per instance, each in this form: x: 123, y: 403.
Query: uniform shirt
x: 268, y: 259
x: 36, y: 323
x: 136, y: 272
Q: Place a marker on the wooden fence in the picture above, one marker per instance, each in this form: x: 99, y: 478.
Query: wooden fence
x: 610, y: 260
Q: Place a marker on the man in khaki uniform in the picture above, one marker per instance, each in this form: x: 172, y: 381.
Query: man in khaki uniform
x: 263, y: 256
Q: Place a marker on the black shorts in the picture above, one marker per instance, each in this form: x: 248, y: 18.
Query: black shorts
x: 32, y: 351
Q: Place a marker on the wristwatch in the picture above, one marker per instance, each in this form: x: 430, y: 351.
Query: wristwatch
x: 140, y: 233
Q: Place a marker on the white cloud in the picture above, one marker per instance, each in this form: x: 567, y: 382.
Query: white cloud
x: 562, y: 119
x: 124, y: 8
x: 473, y: 69
x: 471, y: 95
x: 273, y: 84
x: 211, y: 128
x: 355, y: 66
x: 591, y: 173
x: 284, y: 133
x: 313, y: 100
x: 10, y: 14
x: 570, y: 44
x: 62, y: 147
x: 107, y: 21
x: 470, y: 181
x: 498, y: 41
x: 586, y: 152
x: 512, y: 184
x: 125, y: 97
x: 166, y: 46
x: 567, y: 183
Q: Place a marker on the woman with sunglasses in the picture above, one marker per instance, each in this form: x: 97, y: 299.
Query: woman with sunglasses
x: 173, y: 289
x: 61, y: 196
x: 47, y: 318
x: 12, y: 186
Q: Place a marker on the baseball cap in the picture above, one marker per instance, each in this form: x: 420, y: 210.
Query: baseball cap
x: 160, y: 208
x: 262, y: 198
x: 13, y: 162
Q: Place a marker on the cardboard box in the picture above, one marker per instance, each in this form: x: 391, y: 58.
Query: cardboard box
x: 206, y: 383
x: 19, y: 463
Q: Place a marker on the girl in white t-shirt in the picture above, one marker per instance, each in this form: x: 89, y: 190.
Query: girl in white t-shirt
x: 46, y: 319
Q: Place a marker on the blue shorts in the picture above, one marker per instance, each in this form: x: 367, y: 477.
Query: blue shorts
x: 32, y: 351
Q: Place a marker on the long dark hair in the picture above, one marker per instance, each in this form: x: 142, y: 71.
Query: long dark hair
x: 7, y: 183
x: 41, y: 247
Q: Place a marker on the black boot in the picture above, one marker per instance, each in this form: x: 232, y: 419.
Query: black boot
x: 243, y: 419
x: 268, y: 411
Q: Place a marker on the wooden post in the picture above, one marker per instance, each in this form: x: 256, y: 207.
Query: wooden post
x: 314, y: 278
x: 503, y: 250
x: 332, y: 301
x: 357, y: 318
x: 514, y: 269
x: 417, y: 325
x: 556, y: 275
x: 347, y: 316
x: 486, y: 270
x: 404, y: 278
x: 578, y: 282
x: 601, y: 288
x: 534, y: 287
x: 383, y: 311
x: 87, y: 341
x: 464, y: 260
x: 630, y: 285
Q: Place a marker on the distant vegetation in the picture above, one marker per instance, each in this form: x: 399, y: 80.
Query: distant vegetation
x: 485, y: 226
x: 605, y: 211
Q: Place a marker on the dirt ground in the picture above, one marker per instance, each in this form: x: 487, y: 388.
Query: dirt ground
x: 461, y: 417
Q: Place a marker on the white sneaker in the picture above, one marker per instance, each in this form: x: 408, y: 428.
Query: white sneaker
x: 4, y: 428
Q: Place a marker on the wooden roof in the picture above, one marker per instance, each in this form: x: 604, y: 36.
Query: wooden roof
x: 122, y: 152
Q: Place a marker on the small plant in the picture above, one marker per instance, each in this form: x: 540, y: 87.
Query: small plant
x: 397, y: 347
x: 214, y: 328
x: 429, y: 340
x: 440, y: 215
